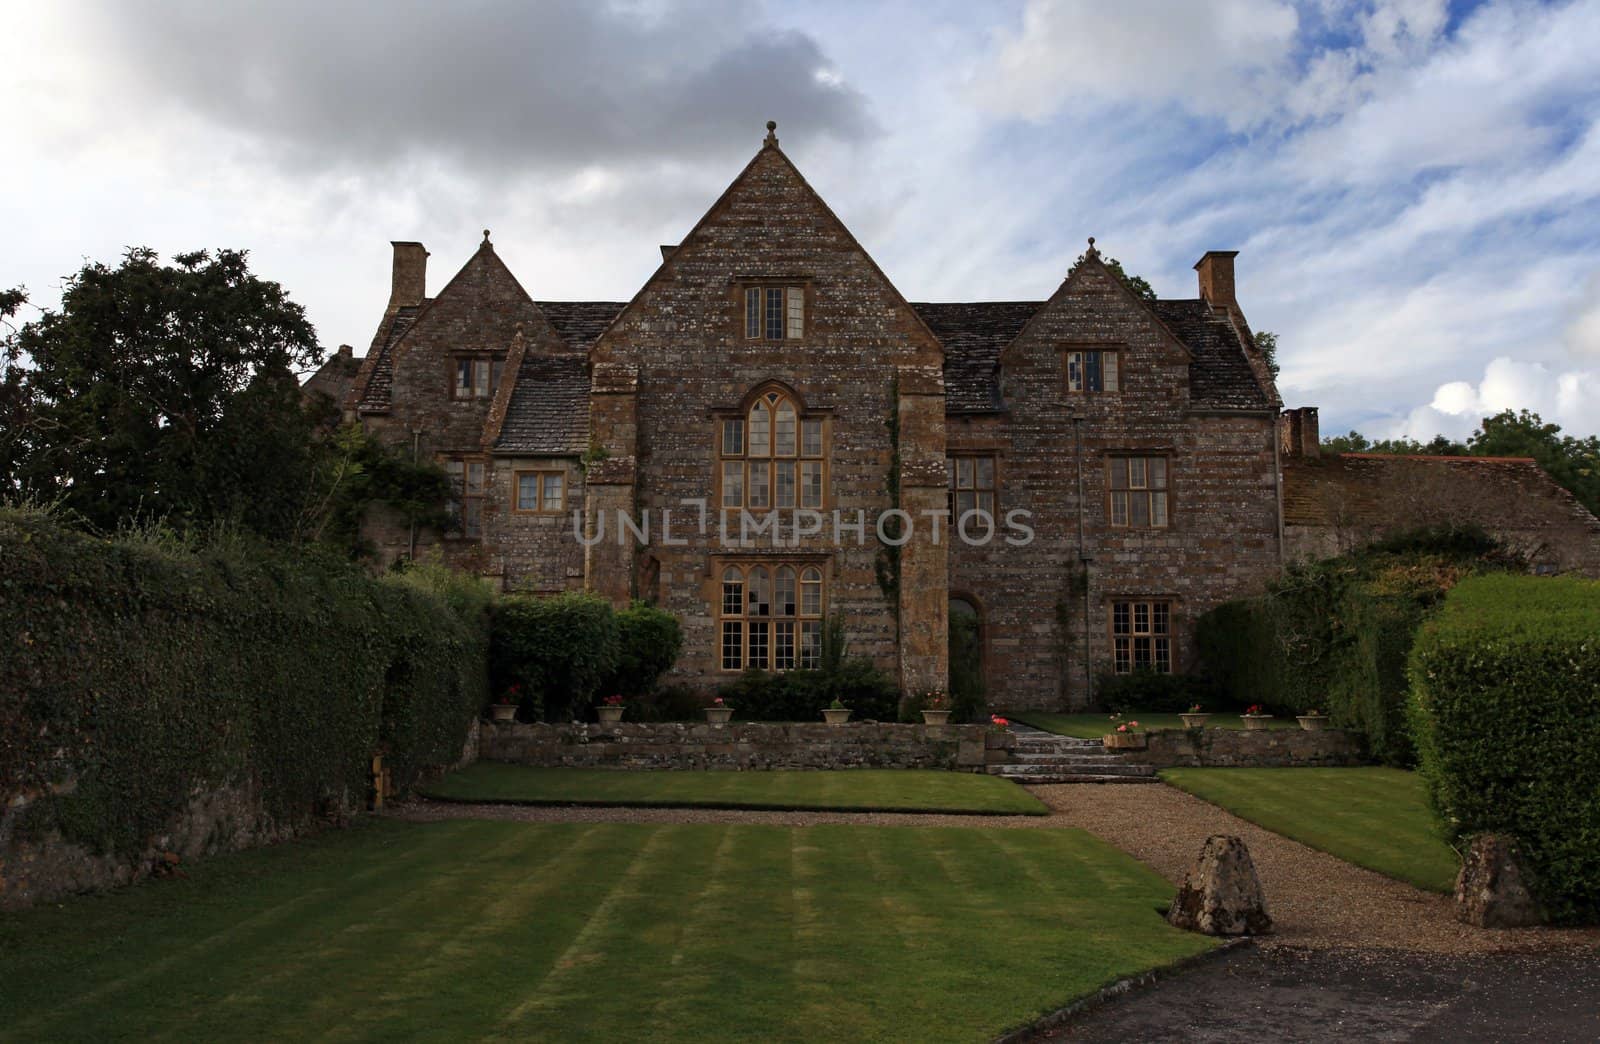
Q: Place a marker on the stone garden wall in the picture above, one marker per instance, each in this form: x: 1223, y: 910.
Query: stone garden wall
x: 743, y: 745
x: 1239, y: 748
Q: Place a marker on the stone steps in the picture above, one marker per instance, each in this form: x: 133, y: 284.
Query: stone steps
x: 1076, y: 777
x: 1043, y: 757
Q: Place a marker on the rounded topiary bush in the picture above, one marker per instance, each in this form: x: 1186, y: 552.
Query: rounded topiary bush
x: 560, y: 650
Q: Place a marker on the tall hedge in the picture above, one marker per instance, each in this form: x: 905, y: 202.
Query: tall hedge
x: 153, y: 675
x: 1506, y: 707
x: 558, y: 650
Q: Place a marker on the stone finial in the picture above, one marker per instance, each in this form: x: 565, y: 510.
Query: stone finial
x: 772, y: 133
x: 1092, y: 252
x: 486, y: 238
x: 1222, y: 894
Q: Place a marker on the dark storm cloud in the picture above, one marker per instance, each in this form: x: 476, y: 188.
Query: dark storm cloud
x: 554, y: 83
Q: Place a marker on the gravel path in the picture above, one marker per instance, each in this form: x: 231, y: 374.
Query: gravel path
x: 1318, y: 901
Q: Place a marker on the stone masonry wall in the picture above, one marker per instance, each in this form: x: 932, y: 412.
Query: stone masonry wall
x: 738, y: 745
x: 1239, y: 748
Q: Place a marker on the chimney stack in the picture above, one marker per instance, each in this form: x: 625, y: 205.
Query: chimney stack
x: 1299, y: 436
x: 410, y: 282
x: 1216, y: 279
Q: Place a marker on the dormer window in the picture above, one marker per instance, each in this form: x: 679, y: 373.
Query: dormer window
x: 476, y: 378
x: 774, y: 313
x: 1092, y: 371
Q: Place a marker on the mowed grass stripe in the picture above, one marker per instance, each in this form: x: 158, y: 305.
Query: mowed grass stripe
x: 682, y: 932
x: 881, y: 790
x: 1374, y: 817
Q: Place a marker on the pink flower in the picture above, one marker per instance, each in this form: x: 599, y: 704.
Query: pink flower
x: 1133, y: 724
x: 1122, y: 728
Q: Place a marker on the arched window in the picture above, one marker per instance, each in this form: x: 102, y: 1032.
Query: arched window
x: 771, y: 617
x: 774, y: 456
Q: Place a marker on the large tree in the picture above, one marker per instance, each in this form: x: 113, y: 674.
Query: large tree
x: 163, y: 392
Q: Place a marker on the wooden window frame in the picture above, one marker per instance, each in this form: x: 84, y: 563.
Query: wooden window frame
x: 1157, y: 608
x: 745, y: 625
x: 495, y: 374
x: 748, y: 460
x: 1117, y: 352
x: 1151, y: 494
x: 461, y: 496
x: 953, y: 468
x: 794, y: 310
x: 539, y: 475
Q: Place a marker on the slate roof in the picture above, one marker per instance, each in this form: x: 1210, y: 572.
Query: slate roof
x: 375, y: 396
x: 973, y: 335
x: 549, y: 409
x: 1220, y: 377
x: 579, y: 323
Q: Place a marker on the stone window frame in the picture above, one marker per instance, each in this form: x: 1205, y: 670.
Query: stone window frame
x: 539, y: 474
x: 462, y: 496
x: 793, y: 323
x: 725, y: 422
x: 493, y: 369
x: 1118, y: 352
x: 732, y: 585
x: 1157, y: 499
x: 1162, y: 644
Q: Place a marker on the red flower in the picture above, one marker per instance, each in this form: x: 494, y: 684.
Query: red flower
x: 998, y: 720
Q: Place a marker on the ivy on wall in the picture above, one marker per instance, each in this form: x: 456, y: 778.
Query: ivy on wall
x: 143, y: 677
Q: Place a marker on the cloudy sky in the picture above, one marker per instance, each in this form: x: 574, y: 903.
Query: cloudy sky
x: 1414, y: 186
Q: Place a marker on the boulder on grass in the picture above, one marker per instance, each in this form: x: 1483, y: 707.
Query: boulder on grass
x: 1491, y: 890
x: 1222, y: 894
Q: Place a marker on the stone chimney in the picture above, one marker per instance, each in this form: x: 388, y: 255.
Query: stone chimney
x: 1298, y: 433
x: 1216, y: 279
x: 410, y: 282
x: 346, y: 353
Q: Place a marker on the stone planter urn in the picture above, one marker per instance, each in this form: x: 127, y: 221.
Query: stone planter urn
x: 1195, y: 721
x: 609, y: 715
x: 1256, y: 722
x: 1312, y: 722
x: 935, y: 717
x: 504, y: 712
x: 1125, y: 741
x: 719, y: 715
x: 836, y: 715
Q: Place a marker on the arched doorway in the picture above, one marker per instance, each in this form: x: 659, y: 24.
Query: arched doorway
x: 966, y: 659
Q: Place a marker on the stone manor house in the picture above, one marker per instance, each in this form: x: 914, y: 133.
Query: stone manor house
x: 734, y: 442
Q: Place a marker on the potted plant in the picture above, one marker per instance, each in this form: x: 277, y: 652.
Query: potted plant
x: 836, y: 713
x: 719, y: 712
x: 1255, y: 718
x: 504, y: 709
x: 936, y: 708
x: 999, y: 724
x: 1312, y: 720
x: 1126, y: 737
x: 1195, y: 718
x: 610, y: 711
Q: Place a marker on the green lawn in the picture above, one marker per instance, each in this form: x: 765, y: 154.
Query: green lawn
x: 882, y: 790
x: 1093, y: 726
x: 1374, y: 817
x: 472, y: 930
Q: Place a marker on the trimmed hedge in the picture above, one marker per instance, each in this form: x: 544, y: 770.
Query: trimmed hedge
x: 1334, y: 636
x: 800, y: 695
x: 559, y: 649
x: 149, y: 676
x: 1505, y: 703
x: 648, y: 643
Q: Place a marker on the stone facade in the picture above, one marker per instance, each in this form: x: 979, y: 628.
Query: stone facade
x: 737, y: 746
x: 626, y: 402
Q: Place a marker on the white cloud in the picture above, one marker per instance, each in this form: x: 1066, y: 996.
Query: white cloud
x: 1583, y: 333
x: 1570, y: 399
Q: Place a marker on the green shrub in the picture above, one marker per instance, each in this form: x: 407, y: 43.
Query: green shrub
x: 1505, y: 704
x: 1334, y: 635
x: 676, y: 702
x: 560, y: 650
x: 152, y: 675
x: 1151, y: 692
x: 856, y: 682
x: 649, y: 640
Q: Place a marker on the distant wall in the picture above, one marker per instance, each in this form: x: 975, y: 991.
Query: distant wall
x: 739, y: 745
x: 1238, y: 748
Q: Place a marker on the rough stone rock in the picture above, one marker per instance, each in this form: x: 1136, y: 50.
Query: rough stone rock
x: 1491, y: 891
x: 1222, y: 894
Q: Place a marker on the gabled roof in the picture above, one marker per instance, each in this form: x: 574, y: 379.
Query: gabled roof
x: 374, y: 393
x: 548, y: 414
x: 579, y: 323
x: 1220, y: 377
